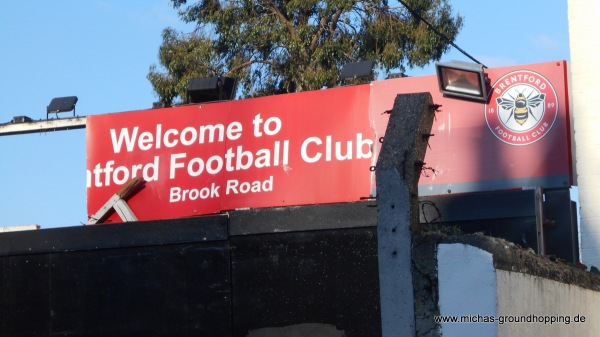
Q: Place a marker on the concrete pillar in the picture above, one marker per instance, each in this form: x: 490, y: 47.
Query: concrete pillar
x: 398, y: 170
x: 585, y: 109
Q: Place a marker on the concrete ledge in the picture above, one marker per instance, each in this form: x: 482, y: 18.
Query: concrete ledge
x: 303, y: 218
x: 510, y: 257
x: 123, y: 235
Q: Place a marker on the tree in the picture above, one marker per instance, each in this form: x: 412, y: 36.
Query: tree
x: 282, y: 46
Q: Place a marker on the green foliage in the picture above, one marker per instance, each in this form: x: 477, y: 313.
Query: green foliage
x: 281, y: 46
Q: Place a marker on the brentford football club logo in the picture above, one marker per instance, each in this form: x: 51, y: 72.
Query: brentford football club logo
x: 522, y: 108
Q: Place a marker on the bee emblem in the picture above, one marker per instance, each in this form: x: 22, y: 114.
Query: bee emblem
x: 520, y: 107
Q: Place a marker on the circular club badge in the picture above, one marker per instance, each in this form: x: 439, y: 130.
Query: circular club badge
x: 522, y: 108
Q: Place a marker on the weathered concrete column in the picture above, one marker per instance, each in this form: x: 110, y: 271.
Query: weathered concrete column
x: 398, y: 170
x: 584, y: 85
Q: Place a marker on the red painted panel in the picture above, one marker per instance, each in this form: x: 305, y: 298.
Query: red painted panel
x: 294, y: 149
x: 470, y: 152
x: 318, y: 146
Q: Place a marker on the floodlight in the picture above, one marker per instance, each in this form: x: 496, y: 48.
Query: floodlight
x: 210, y: 89
x: 396, y: 75
x: 159, y: 105
x: 61, y: 104
x: 462, y: 79
x: 354, y: 70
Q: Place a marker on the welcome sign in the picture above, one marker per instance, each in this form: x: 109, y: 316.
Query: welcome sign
x: 201, y: 159
x: 319, y: 146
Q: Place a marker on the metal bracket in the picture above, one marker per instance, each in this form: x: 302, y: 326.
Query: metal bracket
x: 117, y: 203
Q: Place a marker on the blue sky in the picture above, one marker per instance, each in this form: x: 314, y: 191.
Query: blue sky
x: 100, y: 51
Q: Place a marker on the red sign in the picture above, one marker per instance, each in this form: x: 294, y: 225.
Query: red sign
x: 294, y: 149
x: 469, y: 153
x: 318, y: 146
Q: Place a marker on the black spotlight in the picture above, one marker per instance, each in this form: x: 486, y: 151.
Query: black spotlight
x: 61, y: 104
x: 463, y: 80
x: 211, y: 89
x: 356, y: 70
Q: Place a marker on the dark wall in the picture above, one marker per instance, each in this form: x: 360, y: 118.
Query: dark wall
x: 117, y: 280
x: 222, y: 275
x: 305, y: 271
x: 511, y: 215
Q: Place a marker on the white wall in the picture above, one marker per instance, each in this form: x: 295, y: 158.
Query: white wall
x: 523, y: 295
x: 469, y: 284
x: 584, y: 27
